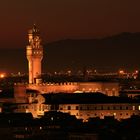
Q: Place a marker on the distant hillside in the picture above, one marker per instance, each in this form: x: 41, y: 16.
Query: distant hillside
x: 112, y: 52
x: 117, y: 51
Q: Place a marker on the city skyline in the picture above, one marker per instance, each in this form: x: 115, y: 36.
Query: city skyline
x: 70, y: 69
x: 107, y: 55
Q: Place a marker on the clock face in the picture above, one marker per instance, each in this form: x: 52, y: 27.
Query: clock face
x: 41, y: 99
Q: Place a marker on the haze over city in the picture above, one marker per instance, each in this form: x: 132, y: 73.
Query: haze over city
x: 60, y: 20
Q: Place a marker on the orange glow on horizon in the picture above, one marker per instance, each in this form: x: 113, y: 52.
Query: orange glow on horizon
x: 2, y: 75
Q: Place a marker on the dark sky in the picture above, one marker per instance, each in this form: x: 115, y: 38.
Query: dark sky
x: 61, y: 19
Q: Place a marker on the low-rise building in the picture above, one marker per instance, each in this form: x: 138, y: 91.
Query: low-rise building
x: 83, y: 105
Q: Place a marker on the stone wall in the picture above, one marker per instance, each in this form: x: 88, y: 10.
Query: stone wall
x: 108, y: 88
x: 55, y: 87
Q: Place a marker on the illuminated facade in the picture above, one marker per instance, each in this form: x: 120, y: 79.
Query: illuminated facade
x: 34, y: 53
x: 107, y: 88
x: 82, y: 110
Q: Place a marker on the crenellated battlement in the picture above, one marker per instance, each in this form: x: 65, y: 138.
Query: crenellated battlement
x: 55, y: 87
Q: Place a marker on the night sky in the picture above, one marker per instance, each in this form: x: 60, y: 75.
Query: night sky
x: 62, y: 19
x: 65, y: 19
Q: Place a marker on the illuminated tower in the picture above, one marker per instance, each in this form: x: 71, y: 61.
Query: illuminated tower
x: 34, y: 53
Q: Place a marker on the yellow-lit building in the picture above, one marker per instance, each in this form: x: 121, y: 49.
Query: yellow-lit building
x: 83, y: 106
x: 34, y: 54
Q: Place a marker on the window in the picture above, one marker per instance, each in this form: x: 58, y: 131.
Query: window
x: 77, y: 108
x: 69, y: 107
x: 46, y: 107
x: 81, y: 108
x: 52, y: 107
x: 126, y: 107
x: 113, y: 92
x: 88, y: 115
x: 43, y: 108
x: 61, y: 108
x: 114, y: 108
x: 133, y: 107
x: 39, y: 107
x: 87, y: 108
x: 114, y: 114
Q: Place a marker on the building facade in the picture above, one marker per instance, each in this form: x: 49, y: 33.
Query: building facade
x: 107, y: 88
x: 82, y: 108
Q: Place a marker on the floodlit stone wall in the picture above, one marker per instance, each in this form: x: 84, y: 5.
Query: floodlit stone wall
x: 110, y: 89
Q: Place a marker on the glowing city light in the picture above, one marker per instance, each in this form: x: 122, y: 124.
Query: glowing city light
x: 2, y: 75
x: 121, y: 72
x: 136, y: 71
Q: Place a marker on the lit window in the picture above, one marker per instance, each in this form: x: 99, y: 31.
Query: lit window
x: 96, y: 89
x: 52, y: 118
x: 83, y: 89
x: 139, y: 107
x: 114, y: 114
x: 90, y: 89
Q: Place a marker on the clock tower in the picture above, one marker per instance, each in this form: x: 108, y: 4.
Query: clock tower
x: 34, y: 53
